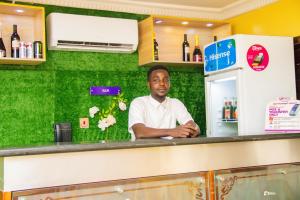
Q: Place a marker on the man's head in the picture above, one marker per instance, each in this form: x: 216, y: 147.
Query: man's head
x: 159, y: 82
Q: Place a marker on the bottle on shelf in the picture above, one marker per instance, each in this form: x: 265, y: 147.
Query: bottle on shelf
x: 215, y: 38
x: 185, y: 49
x: 234, y: 108
x: 155, y: 46
x: 224, y: 107
x: 15, y: 40
x: 231, y: 109
x: 2, y: 46
x: 228, y: 110
x: 197, y: 54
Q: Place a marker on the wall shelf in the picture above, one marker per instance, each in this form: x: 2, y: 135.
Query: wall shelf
x: 31, y: 27
x: 21, y: 61
x: 169, y: 35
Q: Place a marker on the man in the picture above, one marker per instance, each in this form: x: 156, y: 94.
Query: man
x: 156, y: 115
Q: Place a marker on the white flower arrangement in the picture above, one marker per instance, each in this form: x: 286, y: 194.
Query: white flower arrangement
x: 93, y: 111
x: 122, y: 106
x: 107, y: 118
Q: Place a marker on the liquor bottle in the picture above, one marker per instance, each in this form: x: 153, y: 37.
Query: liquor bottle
x: 2, y: 46
x: 155, y: 46
x: 15, y: 40
x: 185, y: 49
x: 197, y: 54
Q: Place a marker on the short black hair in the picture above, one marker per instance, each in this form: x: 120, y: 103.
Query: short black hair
x: 156, y: 67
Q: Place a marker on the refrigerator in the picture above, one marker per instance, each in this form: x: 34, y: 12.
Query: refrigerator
x: 243, y: 73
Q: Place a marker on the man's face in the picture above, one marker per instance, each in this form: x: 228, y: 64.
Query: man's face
x: 159, y: 84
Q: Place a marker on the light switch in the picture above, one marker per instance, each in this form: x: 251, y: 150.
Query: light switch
x: 84, y: 122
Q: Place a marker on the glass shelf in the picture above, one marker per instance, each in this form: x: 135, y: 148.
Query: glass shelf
x: 230, y: 120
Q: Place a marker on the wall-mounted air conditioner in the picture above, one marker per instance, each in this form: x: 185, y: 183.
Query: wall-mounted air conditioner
x: 90, y: 33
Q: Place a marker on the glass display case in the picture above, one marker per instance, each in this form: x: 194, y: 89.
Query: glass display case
x: 176, y: 187
x: 276, y: 182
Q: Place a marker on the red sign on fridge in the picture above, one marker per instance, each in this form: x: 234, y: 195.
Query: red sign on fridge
x: 257, y: 57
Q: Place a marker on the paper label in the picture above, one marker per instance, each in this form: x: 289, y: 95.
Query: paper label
x: 15, y: 43
x: 283, y: 116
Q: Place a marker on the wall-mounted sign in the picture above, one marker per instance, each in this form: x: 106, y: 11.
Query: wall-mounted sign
x: 105, y: 90
x: 257, y: 57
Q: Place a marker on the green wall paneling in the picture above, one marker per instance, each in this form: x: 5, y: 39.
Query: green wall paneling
x: 27, y: 106
x: 32, y: 99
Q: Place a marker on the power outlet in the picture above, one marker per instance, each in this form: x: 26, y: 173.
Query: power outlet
x: 84, y: 122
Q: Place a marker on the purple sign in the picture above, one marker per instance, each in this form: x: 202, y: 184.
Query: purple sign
x: 104, y: 90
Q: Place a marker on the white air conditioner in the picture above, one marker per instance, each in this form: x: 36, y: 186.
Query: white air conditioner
x: 90, y: 33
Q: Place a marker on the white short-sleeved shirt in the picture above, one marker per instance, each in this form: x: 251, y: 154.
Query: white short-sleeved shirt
x: 148, y: 111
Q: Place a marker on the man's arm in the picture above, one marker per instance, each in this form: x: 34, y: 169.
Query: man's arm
x: 182, y: 131
x: 184, y: 117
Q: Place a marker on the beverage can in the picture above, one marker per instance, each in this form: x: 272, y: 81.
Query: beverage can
x: 22, y: 50
x: 29, y: 50
x: 2, y: 53
x: 38, y: 49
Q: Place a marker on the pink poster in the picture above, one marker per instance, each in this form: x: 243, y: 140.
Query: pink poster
x: 257, y: 57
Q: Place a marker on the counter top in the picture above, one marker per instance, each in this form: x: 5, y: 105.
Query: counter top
x: 141, y: 143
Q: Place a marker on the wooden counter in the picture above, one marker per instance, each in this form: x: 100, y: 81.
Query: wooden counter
x: 68, y: 164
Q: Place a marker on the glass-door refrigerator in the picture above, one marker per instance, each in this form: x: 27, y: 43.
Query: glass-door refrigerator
x: 243, y: 73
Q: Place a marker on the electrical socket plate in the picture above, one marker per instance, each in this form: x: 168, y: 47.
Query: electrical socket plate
x: 84, y: 122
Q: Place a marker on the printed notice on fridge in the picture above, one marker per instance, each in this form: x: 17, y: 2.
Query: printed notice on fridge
x: 257, y: 57
x: 283, y: 116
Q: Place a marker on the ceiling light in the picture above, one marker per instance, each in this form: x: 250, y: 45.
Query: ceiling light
x: 209, y: 24
x: 19, y: 11
x: 158, y: 21
x: 184, y: 23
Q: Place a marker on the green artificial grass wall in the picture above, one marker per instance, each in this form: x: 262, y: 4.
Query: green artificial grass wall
x: 33, y: 98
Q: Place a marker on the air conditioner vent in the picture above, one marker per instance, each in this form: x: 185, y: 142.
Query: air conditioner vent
x: 66, y: 43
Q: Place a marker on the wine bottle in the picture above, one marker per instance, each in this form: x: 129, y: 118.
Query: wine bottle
x: 15, y: 40
x: 155, y: 46
x: 197, y: 54
x: 185, y: 49
x: 2, y: 46
x: 215, y: 38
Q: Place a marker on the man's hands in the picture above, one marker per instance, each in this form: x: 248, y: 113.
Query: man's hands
x: 190, y: 129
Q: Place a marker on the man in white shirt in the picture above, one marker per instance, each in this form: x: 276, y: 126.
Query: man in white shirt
x: 156, y: 115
